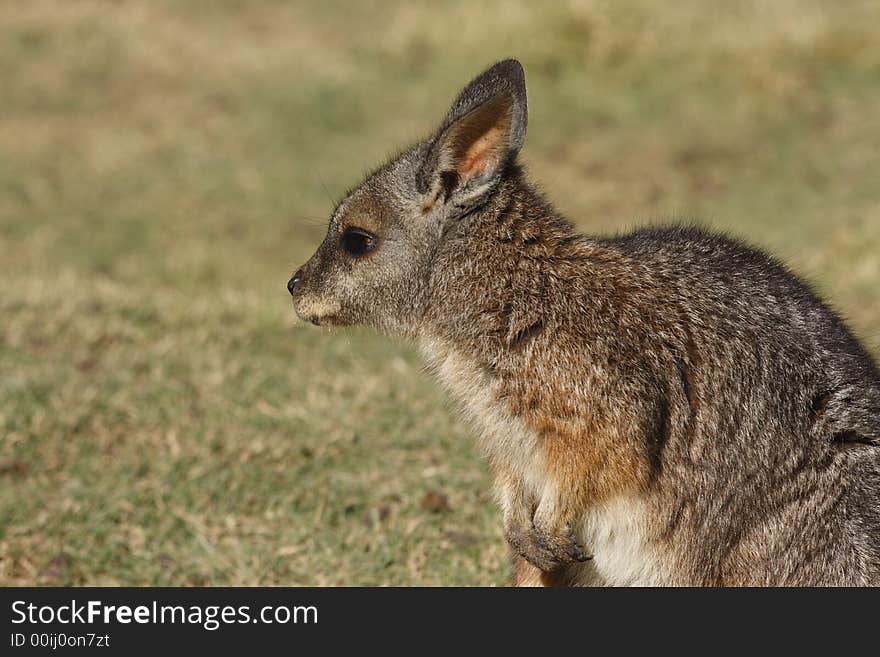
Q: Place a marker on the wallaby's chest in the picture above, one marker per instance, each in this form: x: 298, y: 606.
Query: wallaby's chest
x: 511, y: 446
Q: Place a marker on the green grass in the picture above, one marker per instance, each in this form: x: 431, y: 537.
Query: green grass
x: 164, y: 166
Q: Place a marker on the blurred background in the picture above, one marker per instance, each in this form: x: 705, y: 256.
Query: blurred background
x: 165, y: 166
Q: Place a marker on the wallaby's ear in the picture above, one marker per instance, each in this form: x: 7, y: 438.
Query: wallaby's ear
x: 482, y: 133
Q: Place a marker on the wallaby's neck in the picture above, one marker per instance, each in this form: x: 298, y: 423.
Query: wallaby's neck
x: 489, y: 280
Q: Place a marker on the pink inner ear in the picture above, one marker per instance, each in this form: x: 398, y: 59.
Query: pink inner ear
x: 481, y: 139
x: 483, y: 153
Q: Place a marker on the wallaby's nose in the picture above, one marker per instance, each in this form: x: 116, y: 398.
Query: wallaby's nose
x: 293, y: 282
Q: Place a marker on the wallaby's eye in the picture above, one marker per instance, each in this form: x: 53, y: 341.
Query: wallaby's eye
x: 357, y: 242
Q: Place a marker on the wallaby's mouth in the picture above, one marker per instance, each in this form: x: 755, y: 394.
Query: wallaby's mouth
x: 326, y: 320
x: 316, y: 311
x: 321, y: 320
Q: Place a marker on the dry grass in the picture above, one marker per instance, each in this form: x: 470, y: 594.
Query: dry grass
x: 164, y: 165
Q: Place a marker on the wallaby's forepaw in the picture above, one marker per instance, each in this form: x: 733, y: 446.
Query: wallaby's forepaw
x: 546, y: 549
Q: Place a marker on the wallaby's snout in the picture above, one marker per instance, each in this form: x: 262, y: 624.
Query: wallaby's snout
x: 295, y: 287
x: 311, y: 302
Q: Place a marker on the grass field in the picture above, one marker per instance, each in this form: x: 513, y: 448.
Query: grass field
x: 164, y: 167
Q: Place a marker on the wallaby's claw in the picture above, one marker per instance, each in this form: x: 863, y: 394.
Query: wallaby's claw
x: 577, y: 549
x: 548, y: 550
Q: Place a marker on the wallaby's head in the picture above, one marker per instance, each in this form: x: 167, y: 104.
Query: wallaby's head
x: 374, y: 265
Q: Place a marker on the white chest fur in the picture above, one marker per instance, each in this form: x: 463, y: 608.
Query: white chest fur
x: 616, y: 533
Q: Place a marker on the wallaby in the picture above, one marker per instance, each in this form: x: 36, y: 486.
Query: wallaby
x: 666, y: 407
